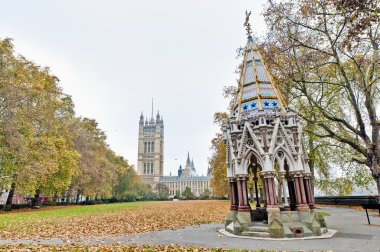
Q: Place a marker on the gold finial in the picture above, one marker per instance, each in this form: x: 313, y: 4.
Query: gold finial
x: 247, y: 24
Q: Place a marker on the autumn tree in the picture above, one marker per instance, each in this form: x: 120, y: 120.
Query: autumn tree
x: 97, y: 168
x: 187, y: 194
x: 206, y: 194
x: 325, y: 55
x: 44, y: 148
x: 218, y: 164
x: 162, y: 190
x: 36, y: 153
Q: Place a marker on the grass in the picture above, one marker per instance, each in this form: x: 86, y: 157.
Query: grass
x: 323, y: 214
x: 114, y: 247
x: 109, y: 219
x: 18, y: 218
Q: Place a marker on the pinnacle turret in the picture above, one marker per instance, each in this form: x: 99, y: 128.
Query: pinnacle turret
x: 188, y: 158
x: 141, y: 118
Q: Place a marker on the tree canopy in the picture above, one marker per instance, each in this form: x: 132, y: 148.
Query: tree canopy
x: 325, y: 57
x: 45, y: 149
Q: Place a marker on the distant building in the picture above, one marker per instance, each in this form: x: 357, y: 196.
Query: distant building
x: 187, y: 177
x: 150, y: 161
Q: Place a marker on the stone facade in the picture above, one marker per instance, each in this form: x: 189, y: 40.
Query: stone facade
x: 187, y: 177
x: 150, y: 162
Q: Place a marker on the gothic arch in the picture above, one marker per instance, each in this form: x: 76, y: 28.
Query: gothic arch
x: 249, y: 152
x: 287, y: 157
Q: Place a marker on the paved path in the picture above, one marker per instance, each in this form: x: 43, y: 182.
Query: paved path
x: 354, y: 234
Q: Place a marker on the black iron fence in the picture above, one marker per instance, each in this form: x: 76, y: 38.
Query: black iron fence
x: 347, y: 200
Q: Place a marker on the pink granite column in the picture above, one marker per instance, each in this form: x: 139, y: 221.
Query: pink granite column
x: 264, y: 196
x: 233, y: 194
x: 300, y: 192
x: 309, y: 192
x: 270, y: 190
x: 243, y: 199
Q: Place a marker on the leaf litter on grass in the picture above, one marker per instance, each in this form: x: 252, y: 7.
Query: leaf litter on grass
x: 124, y: 221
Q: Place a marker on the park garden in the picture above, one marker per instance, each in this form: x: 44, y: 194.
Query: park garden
x: 65, y: 189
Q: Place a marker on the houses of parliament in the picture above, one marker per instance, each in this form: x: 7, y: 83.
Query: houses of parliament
x: 150, y: 161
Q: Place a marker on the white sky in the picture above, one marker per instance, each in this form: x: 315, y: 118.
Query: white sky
x: 114, y: 56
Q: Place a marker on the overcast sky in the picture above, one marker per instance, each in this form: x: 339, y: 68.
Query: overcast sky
x: 113, y: 57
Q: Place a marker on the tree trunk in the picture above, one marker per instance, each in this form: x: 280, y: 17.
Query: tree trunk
x: 68, y: 197
x: 77, y: 198
x: 55, y: 199
x: 311, y: 162
x: 8, y: 204
x: 36, y: 200
x: 375, y: 170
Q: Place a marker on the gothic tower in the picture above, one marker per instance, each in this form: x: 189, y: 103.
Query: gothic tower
x: 150, y: 160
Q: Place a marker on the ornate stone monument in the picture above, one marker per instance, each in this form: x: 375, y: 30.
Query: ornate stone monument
x: 265, y: 146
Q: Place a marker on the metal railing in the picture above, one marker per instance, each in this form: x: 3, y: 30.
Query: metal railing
x: 347, y: 200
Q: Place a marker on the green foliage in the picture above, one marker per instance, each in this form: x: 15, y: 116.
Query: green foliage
x: 206, y: 194
x: 326, y: 62
x: 218, y: 165
x: 177, y: 194
x: 187, y: 194
x: 163, y: 191
x: 44, y: 148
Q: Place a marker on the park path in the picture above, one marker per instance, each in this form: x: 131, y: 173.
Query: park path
x: 354, y: 234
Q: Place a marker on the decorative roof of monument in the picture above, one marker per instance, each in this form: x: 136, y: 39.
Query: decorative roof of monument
x: 257, y: 90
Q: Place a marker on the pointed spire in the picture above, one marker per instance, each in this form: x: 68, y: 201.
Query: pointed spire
x: 152, y: 108
x: 141, y: 118
x: 188, y: 158
x: 257, y: 90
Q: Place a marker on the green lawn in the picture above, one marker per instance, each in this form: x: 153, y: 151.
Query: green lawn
x: 17, y: 218
x: 109, y: 219
x: 323, y: 214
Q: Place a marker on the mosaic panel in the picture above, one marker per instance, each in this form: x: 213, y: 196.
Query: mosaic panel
x: 270, y: 104
x: 249, y: 56
x: 256, y: 55
x: 249, y: 73
x: 249, y: 106
x: 265, y: 85
x: 267, y: 92
x: 249, y: 92
x: 261, y: 73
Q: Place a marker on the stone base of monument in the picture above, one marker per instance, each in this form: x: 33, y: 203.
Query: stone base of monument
x: 271, y: 223
x: 230, y: 217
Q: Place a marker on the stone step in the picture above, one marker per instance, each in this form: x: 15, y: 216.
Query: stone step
x: 255, y: 234
x: 258, y: 229
x: 259, y: 223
